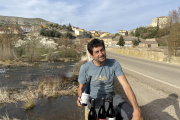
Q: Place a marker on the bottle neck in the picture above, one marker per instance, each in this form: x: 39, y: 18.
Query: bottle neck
x: 92, y: 104
x: 92, y: 108
x: 110, y: 104
x: 102, y: 102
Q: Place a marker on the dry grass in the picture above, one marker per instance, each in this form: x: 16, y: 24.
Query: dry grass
x: 6, y: 117
x: 29, y: 104
x: 14, y: 63
x: 56, y: 86
x: 5, y: 96
x: 47, y: 87
x: 30, y: 100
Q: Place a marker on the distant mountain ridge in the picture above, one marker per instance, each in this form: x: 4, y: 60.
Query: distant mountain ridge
x: 23, y: 21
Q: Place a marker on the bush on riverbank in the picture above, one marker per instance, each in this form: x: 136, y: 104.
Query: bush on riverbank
x: 29, y: 104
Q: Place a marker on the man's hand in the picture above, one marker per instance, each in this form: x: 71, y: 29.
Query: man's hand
x: 137, y: 114
x: 78, y: 102
x: 81, y: 86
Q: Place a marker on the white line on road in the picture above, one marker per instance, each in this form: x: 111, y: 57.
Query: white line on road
x: 153, y: 78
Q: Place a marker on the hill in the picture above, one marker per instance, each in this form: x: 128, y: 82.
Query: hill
x: 23, y: 21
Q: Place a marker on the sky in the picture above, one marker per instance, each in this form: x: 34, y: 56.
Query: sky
x: 105, y: 15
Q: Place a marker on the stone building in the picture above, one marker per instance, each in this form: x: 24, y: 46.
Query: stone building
x: 148, y: 43
x: 123, y: 32
x: 161, y: 21
x: 79, y: 32
x: 107, y: 40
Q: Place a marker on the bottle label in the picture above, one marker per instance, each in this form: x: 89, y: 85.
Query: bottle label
x: 85, y: 98
x: 111, y: 118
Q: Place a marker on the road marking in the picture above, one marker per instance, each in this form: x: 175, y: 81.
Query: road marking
x: 151, y: 77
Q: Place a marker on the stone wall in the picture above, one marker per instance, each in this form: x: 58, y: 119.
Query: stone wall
x: 154, y: 22
x: 161, y: 21
x: 152, y: 55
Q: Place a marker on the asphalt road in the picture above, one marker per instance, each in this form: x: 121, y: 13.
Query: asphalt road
x: 155, y: 84
x: 159, y: 75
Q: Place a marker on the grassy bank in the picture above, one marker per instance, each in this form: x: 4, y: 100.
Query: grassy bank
x: 45, y: 87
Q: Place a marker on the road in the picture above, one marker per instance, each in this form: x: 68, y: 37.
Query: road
x: 155, y: 84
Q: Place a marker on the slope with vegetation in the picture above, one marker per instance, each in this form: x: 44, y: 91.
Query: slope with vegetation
x: 168, y: 36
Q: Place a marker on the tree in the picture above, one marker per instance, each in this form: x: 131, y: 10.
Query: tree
x: 136, y: 42
x: 137, y: 34
x: 55, y: 25
x: 132, y: 33
x: 174, y: 36
x: 32, y: 43
x: 51, y: 25
x: 117, y: 34
x: 69, y: 27
x: 68, y: 35
x: 57, y: 34
x: 121, y: 41
x: 64, y: 43
x: 42, y: 31
x: 64, y: 26
x: 12, y: 33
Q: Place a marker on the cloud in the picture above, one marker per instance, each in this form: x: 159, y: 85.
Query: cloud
x: 45, y: 9
x: 104, y: 15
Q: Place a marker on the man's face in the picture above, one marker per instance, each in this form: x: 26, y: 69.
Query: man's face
x: 99, y: 54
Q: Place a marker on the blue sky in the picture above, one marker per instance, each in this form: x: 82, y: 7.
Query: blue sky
x: 105, y: 15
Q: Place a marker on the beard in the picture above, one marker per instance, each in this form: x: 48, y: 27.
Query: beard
x: 100, y: 61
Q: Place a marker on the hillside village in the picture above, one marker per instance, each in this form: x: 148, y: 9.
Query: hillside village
x: 112, y: 39
x: 79, y: 33
x: 66, y: 37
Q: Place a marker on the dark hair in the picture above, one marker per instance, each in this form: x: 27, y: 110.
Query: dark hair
x: 94, y: 43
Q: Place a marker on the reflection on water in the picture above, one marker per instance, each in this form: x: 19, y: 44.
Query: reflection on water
x: 61, y: 108
x: 12, y: 77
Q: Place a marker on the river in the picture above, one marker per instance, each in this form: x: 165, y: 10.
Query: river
x: 60, y: 108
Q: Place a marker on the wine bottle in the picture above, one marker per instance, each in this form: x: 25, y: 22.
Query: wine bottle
x: 110, y: 114
x: 85, y: 93
x: 92, y: 113
x: 102, y: 111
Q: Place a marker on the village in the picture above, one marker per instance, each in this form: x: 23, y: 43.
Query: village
x: 79, y: 34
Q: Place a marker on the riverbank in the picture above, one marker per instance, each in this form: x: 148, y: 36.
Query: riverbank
x: 45, y: 86
x: 14, y: 63
x: 43, y: 81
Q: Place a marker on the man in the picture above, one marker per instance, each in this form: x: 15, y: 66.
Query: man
x: 102, y: 71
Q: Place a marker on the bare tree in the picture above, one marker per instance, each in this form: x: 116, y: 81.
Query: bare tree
x: 10, y: 35
x: 174, y: 36
x: 64, y: 43
x: 32, y: 43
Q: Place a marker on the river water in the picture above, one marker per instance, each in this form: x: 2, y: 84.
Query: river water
x: 13, y: 77
x: 60, y: 108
